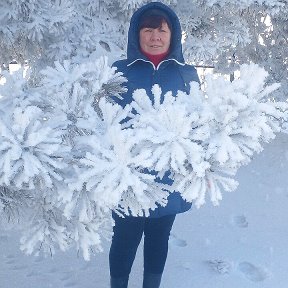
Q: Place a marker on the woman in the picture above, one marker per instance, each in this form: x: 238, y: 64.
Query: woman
x: 154, y: 55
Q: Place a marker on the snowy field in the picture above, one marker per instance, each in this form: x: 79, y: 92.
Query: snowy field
x: 240, y: 244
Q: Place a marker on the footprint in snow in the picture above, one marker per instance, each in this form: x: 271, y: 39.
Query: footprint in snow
x: 220, y: 266
x: 240, y: 221
x: 10, y: 261
x: 175, y: 241
x: 67, y: 276
x: 252, y: 272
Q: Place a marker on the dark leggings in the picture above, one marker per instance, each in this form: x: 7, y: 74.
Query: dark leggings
x: 127, y: 236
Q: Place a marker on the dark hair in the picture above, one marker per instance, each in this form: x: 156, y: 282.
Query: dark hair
x: 154, y: 18
x: 153, y: 21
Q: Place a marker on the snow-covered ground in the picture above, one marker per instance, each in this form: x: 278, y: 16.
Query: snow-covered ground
x: 240, y: 244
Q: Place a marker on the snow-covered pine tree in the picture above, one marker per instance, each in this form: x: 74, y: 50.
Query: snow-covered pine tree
x: 48, y: 113
x: 221, y: 33
x: 226, y: 34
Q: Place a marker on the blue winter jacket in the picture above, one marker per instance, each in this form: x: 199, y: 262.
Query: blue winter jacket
x: 172, y: 74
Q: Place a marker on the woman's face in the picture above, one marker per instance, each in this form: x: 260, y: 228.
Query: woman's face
x: 155, y: 41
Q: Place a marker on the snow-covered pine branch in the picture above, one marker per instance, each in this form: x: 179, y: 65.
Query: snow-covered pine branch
x: 72, y: 91
x: 36, y: 158
x: 170, y: 134
x: 47, y: 228
x: 31, y: 154
x: 14, y: 92
x: 243, y: 120
x: 203, y: 139
x: 111, y: 172
x: 13, y: 205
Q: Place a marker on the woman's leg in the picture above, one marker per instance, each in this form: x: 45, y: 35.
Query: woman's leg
x: 127, y: 236
x: 157, y: 232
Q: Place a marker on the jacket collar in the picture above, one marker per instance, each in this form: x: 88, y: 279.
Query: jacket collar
x: 155, y: 68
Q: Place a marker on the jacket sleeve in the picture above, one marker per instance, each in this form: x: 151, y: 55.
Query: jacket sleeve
x: 190, y: 74
x: 121, y: 66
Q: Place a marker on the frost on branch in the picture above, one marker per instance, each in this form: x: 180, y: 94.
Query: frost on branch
x: 111, y: 173
x: 203, y: 139
x: 40, y: 132
x: 168, y: 134
x: 173, y: 133
x: 14, y: 91
x: 47, y: 228
x: 73, y: 91
x: 13, y: 204
x: 67, y: 198
x: 89, y: 235
x: 31, y: 154
x: 242, y: 121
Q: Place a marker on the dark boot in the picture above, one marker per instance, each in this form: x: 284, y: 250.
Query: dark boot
x: 151, y: 280
x: 119, y: 282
